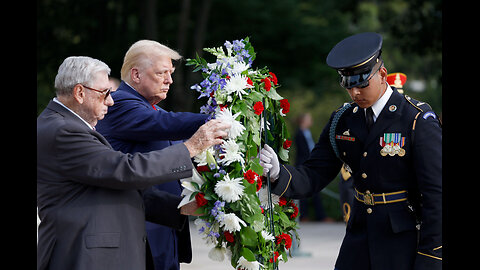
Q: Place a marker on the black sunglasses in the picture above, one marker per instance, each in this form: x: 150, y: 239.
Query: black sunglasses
x: 359, y: 81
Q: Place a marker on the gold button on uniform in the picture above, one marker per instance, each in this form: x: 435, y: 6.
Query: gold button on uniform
x: 364, y: 175
x: 364, y: 154
x: 369, y: 210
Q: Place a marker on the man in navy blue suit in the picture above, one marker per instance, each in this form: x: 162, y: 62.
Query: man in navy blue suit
x: 136, y: 124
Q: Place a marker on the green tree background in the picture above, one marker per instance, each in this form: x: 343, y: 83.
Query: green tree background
x: 291, y: 37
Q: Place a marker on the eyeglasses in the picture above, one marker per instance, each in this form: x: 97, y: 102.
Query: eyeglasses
x: 359, y: 81
x: 105, y: 91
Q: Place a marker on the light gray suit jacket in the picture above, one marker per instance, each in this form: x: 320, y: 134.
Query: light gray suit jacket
x: 88, y: 195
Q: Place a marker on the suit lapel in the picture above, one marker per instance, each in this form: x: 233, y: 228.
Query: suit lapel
x: 391, y: 111
x: 54, y: 106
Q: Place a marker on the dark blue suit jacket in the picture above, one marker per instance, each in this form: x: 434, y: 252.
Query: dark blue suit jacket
x: 134, y: 125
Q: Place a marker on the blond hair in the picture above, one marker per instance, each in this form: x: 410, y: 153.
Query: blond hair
x: 140, y: 53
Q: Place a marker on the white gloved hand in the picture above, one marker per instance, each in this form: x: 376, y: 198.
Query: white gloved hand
x: 269, y: 162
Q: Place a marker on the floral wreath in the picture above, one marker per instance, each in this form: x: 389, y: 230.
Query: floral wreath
x: 241, y: 218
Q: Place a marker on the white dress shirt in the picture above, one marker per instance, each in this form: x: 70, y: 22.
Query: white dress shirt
x: 377, y: 107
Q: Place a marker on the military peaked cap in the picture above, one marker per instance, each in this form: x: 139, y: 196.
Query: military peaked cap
x: 355, y: 56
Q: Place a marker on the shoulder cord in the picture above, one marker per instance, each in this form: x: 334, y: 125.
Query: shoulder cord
x: 333, y: 126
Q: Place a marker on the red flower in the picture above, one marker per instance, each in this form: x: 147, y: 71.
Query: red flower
x: 222, y: 106
x: 268, y: 84
x: 259, y: 183
x: 201, y: 201
x: 228, y: 236
x: 287, y: 144
x: 284, y: 239
x: 258, y: 108
x: 204, y: 168
x: 282, y: 201
x: 249, y: 81
x: 285, y: 105
x: 250, y: 176
x: 295, y: 210
x: 275, y: 257
x: 273, y: 77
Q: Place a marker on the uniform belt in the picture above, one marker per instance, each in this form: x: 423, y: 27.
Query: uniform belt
x: 382, y: 198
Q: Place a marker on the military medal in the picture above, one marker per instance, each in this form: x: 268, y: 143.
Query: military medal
x: 392, y: 144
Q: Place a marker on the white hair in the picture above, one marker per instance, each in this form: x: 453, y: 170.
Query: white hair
x: 75, y: 70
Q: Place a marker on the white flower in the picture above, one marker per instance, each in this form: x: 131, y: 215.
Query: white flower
x: 244, y: 264
x: 230, y: 190
x: 189, y: 188
x: 263, y: 196
x: 217, y: 254
x: 267, y: 236
x: 201, y: 159
x: 236, y: 128
x: 231, y: 153
x: 232, y: 223
x: 212, y: 66
x: 236, y: 84
x: 239, y: 67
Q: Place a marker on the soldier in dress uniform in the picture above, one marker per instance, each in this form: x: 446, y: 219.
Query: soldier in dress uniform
x: 392, y: 146
x: 345, y: 186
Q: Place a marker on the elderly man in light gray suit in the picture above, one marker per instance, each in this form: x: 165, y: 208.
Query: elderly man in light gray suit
x: 88, y: 195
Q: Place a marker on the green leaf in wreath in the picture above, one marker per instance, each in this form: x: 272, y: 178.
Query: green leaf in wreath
x: 249, y: 238
x: 283, y: 154
x: 256, y: 167
x: 249, y: 188
x: 248, y: 255
x: 273, y: 94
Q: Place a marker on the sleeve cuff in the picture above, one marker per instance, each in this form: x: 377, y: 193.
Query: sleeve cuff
x: 431, y: 259
x: 280, y: 186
